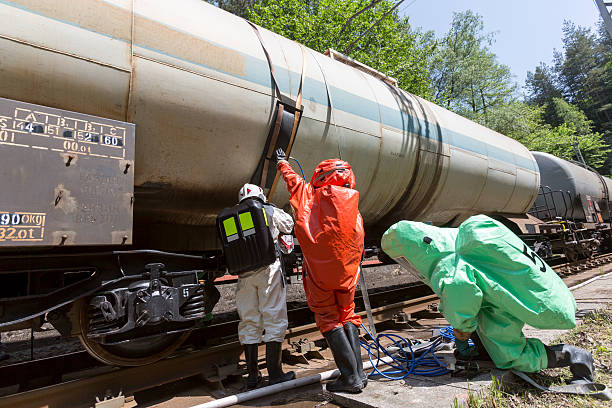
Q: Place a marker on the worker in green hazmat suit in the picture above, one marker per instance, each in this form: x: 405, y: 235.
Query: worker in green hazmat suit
x: 491, y: 283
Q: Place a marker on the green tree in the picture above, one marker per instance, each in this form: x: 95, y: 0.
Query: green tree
x: 515, y: 119
x: 467, y: 78
x: 541, y: 85
x: 582, y: 75
x: 559, y: 112
x: 239, y: 7
x: 580, y: 56
x: 390, y: 45
x: 526, y: 123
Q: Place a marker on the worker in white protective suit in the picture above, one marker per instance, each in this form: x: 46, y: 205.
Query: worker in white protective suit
x: 261, y: 302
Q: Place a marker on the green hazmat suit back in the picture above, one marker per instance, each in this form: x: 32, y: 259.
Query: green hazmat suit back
x: 534, y: 293
x: 488, y: 281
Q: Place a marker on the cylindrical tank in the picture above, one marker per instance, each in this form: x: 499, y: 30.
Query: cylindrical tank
x: 195, y: 81
x: 559, y: 177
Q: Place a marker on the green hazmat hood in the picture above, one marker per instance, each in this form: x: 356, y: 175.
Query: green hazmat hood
x: 416, y: 245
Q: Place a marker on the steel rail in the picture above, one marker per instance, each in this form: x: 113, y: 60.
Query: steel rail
x: 583, y: 264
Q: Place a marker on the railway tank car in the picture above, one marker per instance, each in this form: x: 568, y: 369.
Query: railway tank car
x: 571, y: 191
x: 205, y: 91
x: 574, y: 209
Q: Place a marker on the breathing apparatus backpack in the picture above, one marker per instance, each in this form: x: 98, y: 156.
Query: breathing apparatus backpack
x: 245, y: 236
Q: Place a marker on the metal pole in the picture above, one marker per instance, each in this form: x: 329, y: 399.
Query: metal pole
x: 605, y: 14
x: 579, y: 153
x: 366, y: 302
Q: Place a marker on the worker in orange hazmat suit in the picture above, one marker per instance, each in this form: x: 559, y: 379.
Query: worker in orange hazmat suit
x: 329, y: 229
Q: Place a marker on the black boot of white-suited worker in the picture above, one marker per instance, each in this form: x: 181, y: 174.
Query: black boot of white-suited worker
x: 251, y: 357
x: 352, y: 333
x: 273, y: 362
x: 579, y: 361
x: 350, y: 379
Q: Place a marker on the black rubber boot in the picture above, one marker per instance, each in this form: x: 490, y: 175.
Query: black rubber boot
x: 251, y: 357
x: 350, y: 379
x: 273, y: 362
x: 483, y: 354
x: 352, y: 333
x: 578, y: 360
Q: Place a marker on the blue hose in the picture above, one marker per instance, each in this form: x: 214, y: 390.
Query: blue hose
x: 448, y: 333
x: 427, y: 364
x: 299, y: 165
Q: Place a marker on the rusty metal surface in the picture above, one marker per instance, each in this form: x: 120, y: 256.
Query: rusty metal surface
x: 83, y: 392
x: 526, y: 224
x: 66, y: 178
x: 380, y: 314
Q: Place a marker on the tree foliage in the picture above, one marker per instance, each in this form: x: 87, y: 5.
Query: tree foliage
x: 467, y: 77
x: 581, y: 55
x: 391, y: 46
x: 541, y: 85
x: 526, y: 123
x: 581, y: 74
x: 238, y: 7
x: 577, y: 70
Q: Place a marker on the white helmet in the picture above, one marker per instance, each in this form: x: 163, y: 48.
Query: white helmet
x: 251, y: 190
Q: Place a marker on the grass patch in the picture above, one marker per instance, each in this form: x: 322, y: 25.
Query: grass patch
x: 594, y: 334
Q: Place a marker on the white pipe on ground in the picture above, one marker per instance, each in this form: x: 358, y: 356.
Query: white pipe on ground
x: 590, y: 281
x: 271, y: 389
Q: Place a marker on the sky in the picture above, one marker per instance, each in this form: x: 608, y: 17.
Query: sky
x: 527, y: 30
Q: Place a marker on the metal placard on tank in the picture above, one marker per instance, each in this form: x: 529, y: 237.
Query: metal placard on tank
x: 65, y: 178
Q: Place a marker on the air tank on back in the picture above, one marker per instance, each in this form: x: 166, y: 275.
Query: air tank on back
x: 196, y: 82
x: 567, y: 189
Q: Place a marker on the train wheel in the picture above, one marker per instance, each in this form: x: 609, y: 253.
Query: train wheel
x: 571, y: 255
x: 132, y: 352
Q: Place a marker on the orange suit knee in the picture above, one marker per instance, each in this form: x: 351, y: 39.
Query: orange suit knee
x: 332, y: 308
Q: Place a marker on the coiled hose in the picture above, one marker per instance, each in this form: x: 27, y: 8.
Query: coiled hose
x: 403, y: 364
x: 448, y: 333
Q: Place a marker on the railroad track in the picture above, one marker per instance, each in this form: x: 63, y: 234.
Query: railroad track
x: 570, y: 268
x: 76, y: 379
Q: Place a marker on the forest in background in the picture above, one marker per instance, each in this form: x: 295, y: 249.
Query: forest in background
x: 562, y: 105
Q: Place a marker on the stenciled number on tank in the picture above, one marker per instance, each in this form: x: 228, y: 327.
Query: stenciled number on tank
x: 22, y: 226
x: 27, y: 128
